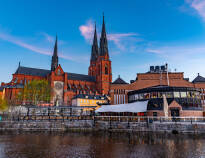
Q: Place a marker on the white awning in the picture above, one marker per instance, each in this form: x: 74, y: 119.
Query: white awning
x: 135, y: 107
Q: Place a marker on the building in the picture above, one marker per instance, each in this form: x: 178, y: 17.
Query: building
x: 182, y: 101
x: 1, y: 92
x: 88, y: 100
x: 150, y: 85
x: 66, y: 85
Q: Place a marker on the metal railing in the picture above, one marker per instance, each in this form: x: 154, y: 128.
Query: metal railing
x: 148, y: 119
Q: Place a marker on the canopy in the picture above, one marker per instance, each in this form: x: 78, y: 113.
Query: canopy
x: 135, y: 107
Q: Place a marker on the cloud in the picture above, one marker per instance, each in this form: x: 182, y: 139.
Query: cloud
x: 177, y: 51
x: 120, y: 40
x: 19, y: 42
x: 198, y: 5
x: 186, y: 58
x: 45, y: 51
x: 48, y: 37
x: 155, y: 51
x: 51, y: 39
x: 87, y: 30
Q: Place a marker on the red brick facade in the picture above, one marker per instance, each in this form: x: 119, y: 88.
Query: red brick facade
x: 118, y: 92
x: 67, y: 85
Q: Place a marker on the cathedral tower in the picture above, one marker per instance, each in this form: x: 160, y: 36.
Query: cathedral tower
x: 94, y: 55
x: 100, y: 64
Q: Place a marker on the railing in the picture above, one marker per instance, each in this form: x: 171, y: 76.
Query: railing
x: 147, y: 119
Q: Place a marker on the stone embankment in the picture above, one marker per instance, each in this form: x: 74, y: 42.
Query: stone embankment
x: 90, y: 125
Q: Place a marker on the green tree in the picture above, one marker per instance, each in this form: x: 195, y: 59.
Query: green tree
x: 3, y: 104
x: 35, y: 92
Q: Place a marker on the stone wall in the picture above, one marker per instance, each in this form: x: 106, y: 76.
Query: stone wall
x: 82, y: 125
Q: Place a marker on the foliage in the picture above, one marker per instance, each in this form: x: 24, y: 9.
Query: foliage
x: 3, y: 104
x: 35, y: 91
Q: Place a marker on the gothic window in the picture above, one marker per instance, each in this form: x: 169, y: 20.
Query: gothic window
x: 98, y: 69
x: 106, y: 69
x: 59, y: 72
x: 67, y: 100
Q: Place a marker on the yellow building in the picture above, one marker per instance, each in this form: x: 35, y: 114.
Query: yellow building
x: 89, y: 100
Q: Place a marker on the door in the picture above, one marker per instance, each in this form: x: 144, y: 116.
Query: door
x: 175, y: 112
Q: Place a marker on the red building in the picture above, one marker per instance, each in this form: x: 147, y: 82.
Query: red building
x: 158, y: 79
x: 66, y: 85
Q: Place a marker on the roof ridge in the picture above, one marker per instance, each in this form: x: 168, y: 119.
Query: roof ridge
x: 119, y: 80
x: 33, y: 68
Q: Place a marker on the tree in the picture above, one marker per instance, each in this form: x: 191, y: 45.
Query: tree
x: 35, y: 92
x: 3, y: 104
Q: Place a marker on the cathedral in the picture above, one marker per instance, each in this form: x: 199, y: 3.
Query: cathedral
x: 66, y: 85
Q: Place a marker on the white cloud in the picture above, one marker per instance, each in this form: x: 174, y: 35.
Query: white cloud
x: 120, y: 40
x: 186, y: 58
x: 198, y: 5
x: 87, y: 30
x: 34, y: 48
x: 48, y: 37
x: 17, y: 41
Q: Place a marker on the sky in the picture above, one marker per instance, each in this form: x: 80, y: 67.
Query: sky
x: 140, y: 33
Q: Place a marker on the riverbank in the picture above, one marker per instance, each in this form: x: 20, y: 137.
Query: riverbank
x: 115, y: 126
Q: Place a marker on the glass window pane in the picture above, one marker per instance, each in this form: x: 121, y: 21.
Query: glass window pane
x: 169, y: 94
x: 183, y: 94
x: 176, y: 95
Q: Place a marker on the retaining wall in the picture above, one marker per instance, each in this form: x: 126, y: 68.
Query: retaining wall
x: 90, y: 125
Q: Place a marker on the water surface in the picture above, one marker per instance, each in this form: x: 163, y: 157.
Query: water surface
x: 100, y: 145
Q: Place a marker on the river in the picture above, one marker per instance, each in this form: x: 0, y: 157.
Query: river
x: 100, y: 145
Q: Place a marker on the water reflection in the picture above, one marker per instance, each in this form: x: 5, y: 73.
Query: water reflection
x: 100, y: 145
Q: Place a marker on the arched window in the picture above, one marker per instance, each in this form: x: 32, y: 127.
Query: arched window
x: 98, y: 69
x: 106, y: 69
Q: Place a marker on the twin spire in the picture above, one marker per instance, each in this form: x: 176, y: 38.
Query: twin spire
x: 102, y: 51
x: 103, y: 44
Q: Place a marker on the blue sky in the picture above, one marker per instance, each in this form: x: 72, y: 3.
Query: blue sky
x: 141, y: 33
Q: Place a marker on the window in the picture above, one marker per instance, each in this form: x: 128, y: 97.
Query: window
x: 136, y: 96
x: 106, y: 69
x: 160, y: 94
x: 169, y: 95
x: 146, y: 96
x: 154, y: 94
x: 98, y: 69
x: 141, y: 96
x: 189, y: 95
x: 183, y: 94
x: 155, y: 114
x: 59, y: 72
x: 176, y: 95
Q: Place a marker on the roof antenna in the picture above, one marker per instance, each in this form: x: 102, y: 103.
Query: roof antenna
x: 19, y: 63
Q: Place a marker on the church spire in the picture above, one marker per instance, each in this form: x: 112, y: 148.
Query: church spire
x: 103, y: 41
x: 54, y: 62
x: 94, y: 53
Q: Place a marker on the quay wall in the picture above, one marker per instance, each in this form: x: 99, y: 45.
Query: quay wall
x: 90, y: 125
